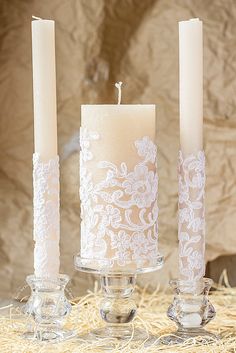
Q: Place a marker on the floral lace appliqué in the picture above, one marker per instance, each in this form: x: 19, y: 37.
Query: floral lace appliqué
x: 191, y: 230
x: 119, y: 214
x: 46, y: 216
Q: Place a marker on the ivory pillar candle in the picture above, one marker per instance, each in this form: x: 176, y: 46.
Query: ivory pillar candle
x: 191, y: 85
x: 118, y: 184
x: 45, y: 158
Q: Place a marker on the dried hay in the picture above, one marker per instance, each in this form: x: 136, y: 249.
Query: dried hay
x: 151, y: 317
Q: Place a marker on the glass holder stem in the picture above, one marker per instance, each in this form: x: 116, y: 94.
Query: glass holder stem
x: 191, y: 310
x: 117, y: 307
x: 49, y: 307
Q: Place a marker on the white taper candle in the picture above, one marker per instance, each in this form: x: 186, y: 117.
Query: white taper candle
x: 45, y: 159
x: 44, y: 87
x: 191, y: 85
x: 191, y: 229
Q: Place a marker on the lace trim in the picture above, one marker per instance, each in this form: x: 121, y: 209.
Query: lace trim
x: 46, y: 216
x: 46, y: 259
x: 119, y: 214
x: 191, y: 230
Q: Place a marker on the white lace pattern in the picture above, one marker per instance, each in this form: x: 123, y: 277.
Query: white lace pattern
x: 46, y: 216
x: 119, y: 213
x: 191, y: 230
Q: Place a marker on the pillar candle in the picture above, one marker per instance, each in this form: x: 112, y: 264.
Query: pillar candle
x: 191, y: 85
x: 118, y: 188
x: 45, y: 158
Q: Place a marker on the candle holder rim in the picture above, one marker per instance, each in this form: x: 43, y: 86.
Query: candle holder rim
x: 119, y: 105
x: 104, y: 266
x: 182, y: 282
x: 61, y: 279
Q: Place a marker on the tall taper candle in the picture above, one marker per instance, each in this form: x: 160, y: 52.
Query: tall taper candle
x: 191, y: 85
x: 191, y: 229
x: 45, y: 159
x: 44, y: 84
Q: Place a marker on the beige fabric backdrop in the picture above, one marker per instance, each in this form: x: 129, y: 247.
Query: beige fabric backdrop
x: 99, y: 42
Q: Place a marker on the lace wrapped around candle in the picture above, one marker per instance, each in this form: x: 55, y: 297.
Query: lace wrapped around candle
x: 191, y: 230
x: 46, y: 217
x: 119, y: 194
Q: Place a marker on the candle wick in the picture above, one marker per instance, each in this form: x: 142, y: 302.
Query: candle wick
x: 36, y: 18
x: 118, y: 86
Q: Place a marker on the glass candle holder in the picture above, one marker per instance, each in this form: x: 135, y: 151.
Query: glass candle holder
x: 191, y: 310
x: 119, y: 206
x: 117, y: 307
x: 49, y: 307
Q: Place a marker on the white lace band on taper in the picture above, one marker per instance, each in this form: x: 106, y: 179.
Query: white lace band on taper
x: 191, y: 230
x: 119, y: 213
x: 46, y: 216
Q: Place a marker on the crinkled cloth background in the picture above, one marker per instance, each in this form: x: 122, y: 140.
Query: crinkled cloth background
x: 99, y: 42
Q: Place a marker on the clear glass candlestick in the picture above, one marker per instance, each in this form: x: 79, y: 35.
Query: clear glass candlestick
x: 117, y: 307
x: 119, y: 207
x: 191, y: 310
x: 49, y: 307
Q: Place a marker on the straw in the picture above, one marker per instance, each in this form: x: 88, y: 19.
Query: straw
x: 151, y: 318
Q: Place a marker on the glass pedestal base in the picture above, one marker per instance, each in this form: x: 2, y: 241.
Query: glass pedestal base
x: 191, y: 310
x: 53, y: 336
x: 115, y: 339
x: 48, y: 307
x: 117, y: 307
x: 120, y: 333
x: 180, y: 336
